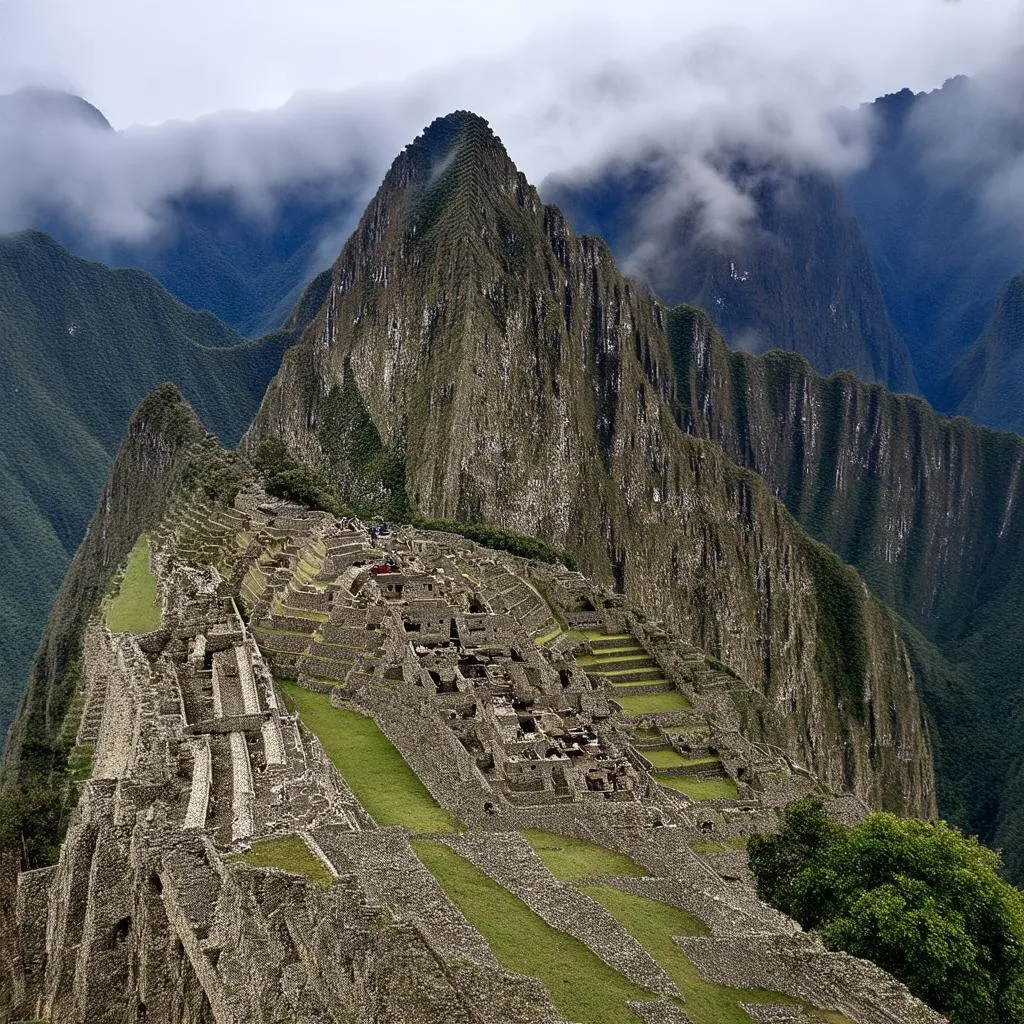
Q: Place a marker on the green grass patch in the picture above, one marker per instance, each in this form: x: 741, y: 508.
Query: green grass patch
x: 673, y: 759
x: 610, y: 658
x: 298, y: 613
x: 381, y: 780
x: 729, y: 845
x: 653, y: 924
x: 548, y: 637
x: 571, y: 859
x: 700, y: 789
x: 135, y: 608
x: 80, y: 763
x: 583, y: 987
x: 597, y: 634
x: 652, y: 703
x: 289, y: 853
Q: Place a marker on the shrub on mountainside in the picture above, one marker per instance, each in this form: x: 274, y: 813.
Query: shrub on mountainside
x: 920, y: 899
x: 285, y: 477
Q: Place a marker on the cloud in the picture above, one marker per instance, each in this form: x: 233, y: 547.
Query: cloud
x: 596, y: 85
x: 972, y: 139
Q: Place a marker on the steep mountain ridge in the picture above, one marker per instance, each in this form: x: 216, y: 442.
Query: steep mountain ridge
x: 930, y: 510
x: 81, y: 346
x: 797, y: 275
x: 512, y: 376
x: 985, y: 385
x: 941, y: 245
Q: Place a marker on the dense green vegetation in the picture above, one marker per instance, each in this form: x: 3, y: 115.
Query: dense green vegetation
x: 37, y: 779
x: 918, y: 898
x: 381, y: 780
x: 82, y: 346
x: 135, y: 606
x: 288, y: 853
x: 503, y: 540
x: 287, y: 477
x: 284, y: 476
x: 571, y: 859
x: 372, y: 477
x: 841, y: 637
x: 582, y: 986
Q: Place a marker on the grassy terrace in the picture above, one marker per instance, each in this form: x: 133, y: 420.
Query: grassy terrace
x: 673, y: 759
x: 135, y: 608
x: 653, y: 924
x: 698, y: 789
x: 651, y: 703
x: 583, y: 987
x: 289, y: 853
x: 571, y: 859
x: 381, y: 780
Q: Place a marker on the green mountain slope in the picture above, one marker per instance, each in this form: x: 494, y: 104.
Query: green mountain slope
x: 987, y: 383
x: 80, y: 346
x: 930, y: 510
x: 799, y: 276
x: 505, y: 372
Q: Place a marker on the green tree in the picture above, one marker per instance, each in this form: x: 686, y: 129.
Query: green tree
x: 920, y: 899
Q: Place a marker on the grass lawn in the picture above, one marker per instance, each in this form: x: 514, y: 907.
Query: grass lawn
x: 298, y: 613
x: 612, y: 657
x: 597, y: 634
x: 570, y: 859
x: 381, y: 780
x: 697, y: 789
x: 582, y: 986
x: 653, y: 924
x: 548, y: 637
x: 289, y: 853
x: 673, y: 759
x: 135, y: 608
x: 721, y: 846
x: 651, y: 703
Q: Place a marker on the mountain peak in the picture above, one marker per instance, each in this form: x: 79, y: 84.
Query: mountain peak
x: 453, y: 195
x: 41, y: 104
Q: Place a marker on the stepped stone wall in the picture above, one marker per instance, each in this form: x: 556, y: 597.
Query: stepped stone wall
x: 468, y: 663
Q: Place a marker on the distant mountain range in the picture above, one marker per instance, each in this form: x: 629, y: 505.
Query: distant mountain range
x: 80, y: 346
x: 832, y: 272
x: 892, y: 272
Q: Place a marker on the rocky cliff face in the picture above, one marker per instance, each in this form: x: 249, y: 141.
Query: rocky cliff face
x: 512, y: 376
x: 986, y: 383
x: 929, y: 509
x: 798, y: 276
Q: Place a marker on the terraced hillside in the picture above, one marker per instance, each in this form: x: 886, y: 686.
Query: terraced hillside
x: 513, y: 377
x: 82, y: 345
x: 455, y: 820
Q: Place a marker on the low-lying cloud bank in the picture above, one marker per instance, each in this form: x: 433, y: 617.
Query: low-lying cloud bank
x: 785, y: 90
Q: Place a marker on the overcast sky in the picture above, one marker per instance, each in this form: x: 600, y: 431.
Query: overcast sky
x: 145, y: 61
x: 260, y: 97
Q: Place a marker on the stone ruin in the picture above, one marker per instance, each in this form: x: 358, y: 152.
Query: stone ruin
x: 505, y: 685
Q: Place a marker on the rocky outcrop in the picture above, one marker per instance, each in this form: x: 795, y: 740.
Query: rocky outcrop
x: 930, y: 510
x: 794, y: 274
x: 985, y: 385
x: 513, y: 377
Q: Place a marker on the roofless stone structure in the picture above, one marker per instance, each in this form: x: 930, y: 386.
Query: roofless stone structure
x: 522, y: 697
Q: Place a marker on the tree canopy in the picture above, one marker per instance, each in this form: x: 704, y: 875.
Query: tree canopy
x: 920, y: 899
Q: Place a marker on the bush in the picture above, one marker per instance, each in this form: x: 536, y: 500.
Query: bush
x: 285, y: 477
x: 920, y: 899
